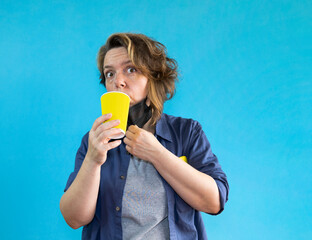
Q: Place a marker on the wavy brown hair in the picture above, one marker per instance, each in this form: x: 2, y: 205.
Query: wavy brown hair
x: 150, y: 57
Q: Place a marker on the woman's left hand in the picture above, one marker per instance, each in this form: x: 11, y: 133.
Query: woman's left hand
x: 142, y: 144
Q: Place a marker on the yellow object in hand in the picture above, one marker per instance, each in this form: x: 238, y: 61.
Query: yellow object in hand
x: 116, y: 103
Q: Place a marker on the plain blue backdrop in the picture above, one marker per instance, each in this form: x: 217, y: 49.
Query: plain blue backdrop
x: 246, y: 76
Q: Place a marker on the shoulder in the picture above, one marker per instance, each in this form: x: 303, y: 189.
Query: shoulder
x: 180, y: 123
x: 185, y: 134
x: 179, y: 130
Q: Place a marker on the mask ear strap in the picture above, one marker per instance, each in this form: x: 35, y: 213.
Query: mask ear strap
x: 139, y: 114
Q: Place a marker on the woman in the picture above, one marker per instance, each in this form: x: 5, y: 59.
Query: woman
x: 138, y: 187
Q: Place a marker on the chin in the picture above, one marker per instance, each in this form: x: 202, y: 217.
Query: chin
x: 132, y: 103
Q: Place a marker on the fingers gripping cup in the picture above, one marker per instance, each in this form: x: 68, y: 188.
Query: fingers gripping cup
x: 116, y: 103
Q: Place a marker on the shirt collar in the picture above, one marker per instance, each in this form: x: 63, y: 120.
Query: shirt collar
x: 162, y: 128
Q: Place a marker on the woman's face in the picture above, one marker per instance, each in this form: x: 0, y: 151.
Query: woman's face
x: 121, y: 75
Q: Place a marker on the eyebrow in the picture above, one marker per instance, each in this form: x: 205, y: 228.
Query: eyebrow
x: 124, y: 63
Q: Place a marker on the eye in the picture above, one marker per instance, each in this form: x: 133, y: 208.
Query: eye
x: 131, y: 70
x: 109, y: 74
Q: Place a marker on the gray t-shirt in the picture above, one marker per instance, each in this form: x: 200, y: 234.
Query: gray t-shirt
x: 144, y: 203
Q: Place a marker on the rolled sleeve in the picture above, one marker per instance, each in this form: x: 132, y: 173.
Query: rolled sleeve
x: 201, y: 157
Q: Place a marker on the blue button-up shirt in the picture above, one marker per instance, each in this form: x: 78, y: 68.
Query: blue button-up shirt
x: 183, y: 137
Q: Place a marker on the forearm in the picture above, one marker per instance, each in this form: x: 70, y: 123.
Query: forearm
x: 79, y: 202
x: 196, y: 188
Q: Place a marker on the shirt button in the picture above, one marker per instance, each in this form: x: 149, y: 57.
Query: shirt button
x: 117, y: 209
x: 122, y: 177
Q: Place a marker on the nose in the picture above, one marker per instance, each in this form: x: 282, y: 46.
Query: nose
x: 120, y: 81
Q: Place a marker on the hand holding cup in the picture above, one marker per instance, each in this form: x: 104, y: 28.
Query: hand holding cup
x: 99, y: 136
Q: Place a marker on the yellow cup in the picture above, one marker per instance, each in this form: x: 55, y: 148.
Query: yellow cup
x: 116, y: 103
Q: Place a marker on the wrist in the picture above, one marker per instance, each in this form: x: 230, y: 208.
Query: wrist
x: 90, y: 165
x: 159, y: 155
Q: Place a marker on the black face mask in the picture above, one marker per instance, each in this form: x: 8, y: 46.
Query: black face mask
x: 139, y: 114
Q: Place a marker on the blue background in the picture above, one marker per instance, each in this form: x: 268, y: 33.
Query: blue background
x: 245, y: 76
